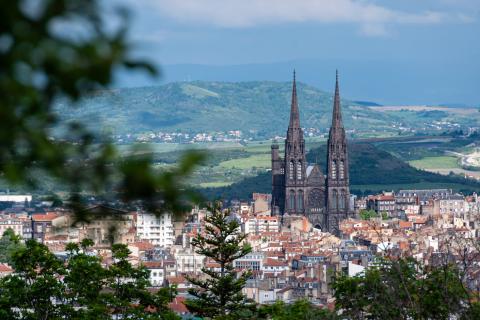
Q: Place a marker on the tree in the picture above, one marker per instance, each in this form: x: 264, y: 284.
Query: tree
x: 384, y: 215
x: 33, y: 290
x: 368, y: 214
x: 44, y: 287
x: 220, y: 294
x: 300, y: 309
x: 61, y: 50
x: 404, y: 289
x: 9, y: 243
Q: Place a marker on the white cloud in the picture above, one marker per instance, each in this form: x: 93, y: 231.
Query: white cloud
x: 371, y: 18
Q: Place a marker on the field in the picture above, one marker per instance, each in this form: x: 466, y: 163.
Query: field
x: 262, y: 160
x: 234, y: 170
x: 432, y: 163
x: 459, y: 111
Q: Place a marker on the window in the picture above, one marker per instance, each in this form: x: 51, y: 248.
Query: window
x: 292, y: 200
x: 299, y: 170
x: 334, y: 169
x: 341, y: 170
x: 342, y: 200
x: 334, y: 200
x: 291, y: 171
x: 300, y: 200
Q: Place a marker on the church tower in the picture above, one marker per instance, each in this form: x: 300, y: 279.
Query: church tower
x: 278, y: 181
x: 338, y: 192
x: 295, y: 161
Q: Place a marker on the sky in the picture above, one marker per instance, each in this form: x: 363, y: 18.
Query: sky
x: 391, y: 51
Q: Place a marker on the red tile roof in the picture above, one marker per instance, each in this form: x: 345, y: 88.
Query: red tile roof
x: 153, y: 264
x: 143, y: 245
x: 45, y: 217
x: 176, y: 279
x: 178, y: 305
x: 274, y: 263
x: 5, y: 268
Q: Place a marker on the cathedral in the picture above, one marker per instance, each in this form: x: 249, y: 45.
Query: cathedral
x: 300, y: 188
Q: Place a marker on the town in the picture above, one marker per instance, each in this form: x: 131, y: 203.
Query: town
x: 291, y: 259
x: 221, y: 160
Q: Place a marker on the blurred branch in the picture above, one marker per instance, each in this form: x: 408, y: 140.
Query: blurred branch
x: 64, y: 49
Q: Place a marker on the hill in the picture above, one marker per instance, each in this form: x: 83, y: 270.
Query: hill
x: 371, y: 170
x: 258, y: 108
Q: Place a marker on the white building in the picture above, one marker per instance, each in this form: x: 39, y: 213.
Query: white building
x: 188, y: 261
x: 274, y: 266
x: 158, y: 230
x: 11, y: 223
x: 354, y: 269
x: 157, y: 272
x: 261, y: 224
x: 252, y: 261
x: 15, y: 198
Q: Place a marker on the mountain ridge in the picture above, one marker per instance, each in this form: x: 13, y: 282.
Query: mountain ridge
x: 258, y: 107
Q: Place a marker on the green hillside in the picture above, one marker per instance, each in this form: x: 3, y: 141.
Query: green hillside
x: 259, y: 108
x: 371, y: 170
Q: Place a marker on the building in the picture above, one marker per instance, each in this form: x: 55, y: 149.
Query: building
x: 252, y: 261
x: 406, y: 198
x: 383, y: 203
x: 261, y: 224
x: 103, y: 225
x: 15, y: 198
x: 157, y: 272
x: 15, y: 224
x: 261, y: 203
x: 299, y: 188
x: 156, y: 229
x: 188, y: 261
x: 42, y: 224
x: 5, y: 270
x: 454, y: 205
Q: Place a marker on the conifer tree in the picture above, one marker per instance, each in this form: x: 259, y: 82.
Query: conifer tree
x: 219, y: 295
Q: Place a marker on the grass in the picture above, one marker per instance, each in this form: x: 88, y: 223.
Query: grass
x: 440, y: 162
x: 215, y: 184
x: 262, y: 160
x: 254, y: 158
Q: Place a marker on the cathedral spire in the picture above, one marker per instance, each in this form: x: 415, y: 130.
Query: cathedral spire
x: 294, y: 113
x: 337, y: 114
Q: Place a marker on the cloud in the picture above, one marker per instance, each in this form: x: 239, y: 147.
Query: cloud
x: 371, y: 18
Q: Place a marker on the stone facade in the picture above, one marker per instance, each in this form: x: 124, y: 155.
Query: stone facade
x: 299, y: 188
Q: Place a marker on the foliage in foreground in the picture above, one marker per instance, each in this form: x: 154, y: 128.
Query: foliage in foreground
x: 220, y: 294
x: 62, y: 50
x: 405, y: 289
x: 44, y: 287
x: 300, y: 309
x: 9, y: 243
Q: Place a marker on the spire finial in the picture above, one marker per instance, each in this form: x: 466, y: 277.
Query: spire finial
x: 337, y: 116
x: 294, y: 114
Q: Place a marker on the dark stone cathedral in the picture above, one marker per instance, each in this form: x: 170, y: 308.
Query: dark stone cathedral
x: 300, y: 188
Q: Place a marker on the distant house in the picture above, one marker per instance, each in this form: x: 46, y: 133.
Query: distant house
x: 157, y: 272
x: 155, y: 229
x: 5, y: 270
x: 104, y: 225
x: 42, y: 224
x: 178, y: 306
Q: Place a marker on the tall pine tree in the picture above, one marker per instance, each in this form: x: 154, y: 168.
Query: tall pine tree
x: 219, y: 294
